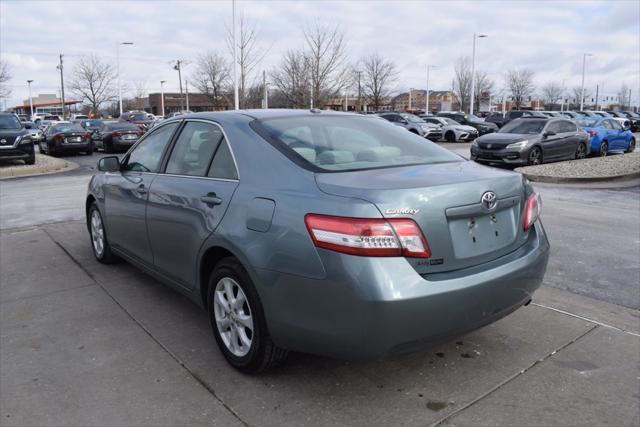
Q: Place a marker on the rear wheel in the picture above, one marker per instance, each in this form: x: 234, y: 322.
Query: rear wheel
x: 31, y: 160
x: 99, y: 241
x: 107, y: 147
x: 450, y: 136
x: 42, y: 145
x: 604, y: 147
x: 534, y: 157
x: 581, y: 151
x: 238, y: 320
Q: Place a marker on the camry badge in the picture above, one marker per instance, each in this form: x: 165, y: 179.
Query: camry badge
x: 489, y: 200
x: 403, y: 211
x: 489, y: 145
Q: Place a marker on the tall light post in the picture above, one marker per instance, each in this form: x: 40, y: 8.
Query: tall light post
x: 473, y: 70
x: 236, y: 101
x: 118, y: 71
x: 30, y: 98
x: 162, y: 82
x: 410, y: 90
x: 426, y: 106
x: 584, y: 63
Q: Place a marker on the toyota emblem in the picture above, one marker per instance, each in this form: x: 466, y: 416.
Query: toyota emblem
x: 3, y: 141
x: 489, y: 200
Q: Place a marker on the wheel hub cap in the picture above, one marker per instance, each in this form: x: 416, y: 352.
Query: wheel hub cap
x: 97, y: 233
x: 233, y: 317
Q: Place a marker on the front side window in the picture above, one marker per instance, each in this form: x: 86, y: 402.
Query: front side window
x: 339, y: 143
x: 524, y: 126
x: 146, y: 156
x: 555, y: 127
x: 607, y: 124
x: 194, y: 149
x: 616, y: 125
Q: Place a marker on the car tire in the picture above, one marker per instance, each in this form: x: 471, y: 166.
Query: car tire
x: 604, y: 147
x: 240, y: 330
x: 534, y: 157
x: 107, y: 147
x: 632, y: 146
x: 31, y: 160
x: 98, y: 234
x: 450, y: 136
x: 581, y: 152
x: 89, y: 152
x: 42, y: 147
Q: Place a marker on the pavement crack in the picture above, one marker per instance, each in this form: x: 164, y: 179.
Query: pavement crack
x: 46, y: 294
x: 171, y: 354
x: 512, y: 377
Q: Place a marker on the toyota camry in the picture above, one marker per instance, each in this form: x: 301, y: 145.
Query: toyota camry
x: 329, y: 233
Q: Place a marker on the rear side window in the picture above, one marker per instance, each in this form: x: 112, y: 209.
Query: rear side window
x: 223, y: 165
x: 567, y: 127
x: 146, y: 156
x: 339, y: 143
x: 194, y: 149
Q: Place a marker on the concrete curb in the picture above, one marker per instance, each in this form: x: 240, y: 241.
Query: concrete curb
x: 579, y: 180
x: 53, y: 165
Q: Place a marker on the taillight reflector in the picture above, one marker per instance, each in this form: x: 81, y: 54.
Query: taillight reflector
x: 368, y: 237
x: 531, y: 211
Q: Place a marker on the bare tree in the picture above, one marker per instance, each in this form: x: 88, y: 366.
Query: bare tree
x: 325, y: 55
x: 5, y: 76
x: 291, y: 78
x: 377, y: 75
x: 624, y: 97
x: 249, y: 55
x: 484, y: 85
x: 140, y: 94
x: 552, y: 92
x: 520, y: 84
x: 211, y: 77
x: 462, y: 82
x: 577, y: 94
x: 92, y: 80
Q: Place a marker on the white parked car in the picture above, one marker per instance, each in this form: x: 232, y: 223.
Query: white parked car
x: 452, y: 130
x: 79, y: 117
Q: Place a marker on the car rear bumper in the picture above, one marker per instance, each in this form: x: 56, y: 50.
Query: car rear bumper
x: 71, y: 147
x: 367, y: 308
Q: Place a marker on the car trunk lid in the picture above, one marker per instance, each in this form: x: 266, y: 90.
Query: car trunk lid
x: 445, y: 200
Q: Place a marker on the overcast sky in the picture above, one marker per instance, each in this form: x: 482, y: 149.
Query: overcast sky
x: 548, y: 37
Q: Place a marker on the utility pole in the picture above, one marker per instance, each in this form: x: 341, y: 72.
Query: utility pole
x: 359, y: 93
x: 597, y: 90
x: 186, y: 88
x: 473, y: 71
x: 60, y: 67
x: 236, y: 101
x: 162, y: 82
x: 177, y: 67
x: 266, y: 90
x: 30, y: 98
x: 410, y: 90
x: 584, y: 63
x: 311, y: 97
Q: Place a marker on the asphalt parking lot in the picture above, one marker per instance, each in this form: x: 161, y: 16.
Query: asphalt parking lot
x: 82, y: 343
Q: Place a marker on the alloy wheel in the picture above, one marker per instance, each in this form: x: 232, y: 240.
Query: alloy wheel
x: 581, y: 151
x: 97, y: 233
x: 603, y: 149
x: 535, y: 156
x: 233, y: 317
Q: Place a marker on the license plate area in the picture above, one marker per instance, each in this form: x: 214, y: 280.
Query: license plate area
x: 129, y: 136
x: 476, y: 235
x: 73, y: 139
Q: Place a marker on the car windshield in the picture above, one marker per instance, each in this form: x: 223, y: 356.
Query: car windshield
x: 524, y: 126
x: 587, y: 123
x: 138, y: 117
x: 411, y: 118
x: 340, y: 143
x: 10, y: 122
x: 67, y: 127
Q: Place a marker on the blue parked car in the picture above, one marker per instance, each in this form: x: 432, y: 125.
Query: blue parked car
x: 607, y: 135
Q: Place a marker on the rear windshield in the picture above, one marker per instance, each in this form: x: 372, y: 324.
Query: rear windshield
x: 121, y: 126
x: 524, y: 126
x: 92, y: 123
x: 587, y: 123
x: 341, y: 143
x: 10, y: 122
x: 67, y: 127
x: 136, y: 117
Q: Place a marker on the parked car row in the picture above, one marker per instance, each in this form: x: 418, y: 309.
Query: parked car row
x: 450, y: 125
x: 627, y: 119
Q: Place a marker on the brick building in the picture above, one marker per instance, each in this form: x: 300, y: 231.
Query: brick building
x: 439, y: 100
x: 196, y: 102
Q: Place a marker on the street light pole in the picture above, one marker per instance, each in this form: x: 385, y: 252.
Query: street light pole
x: 162, y: 82
x: 236, y: 101
x: 410, y: 90
x: 584, y: 63
x: 426, y: 106
x: 473, y: 70
x: 30, y: 99
x: 118, y: 72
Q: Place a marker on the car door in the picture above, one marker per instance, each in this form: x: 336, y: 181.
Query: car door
x: 188, y: 200
x: 552, y: 143
x: 127, y: 191
x: 617, y: 136
x: 610, y: 134
x: 571, y: 138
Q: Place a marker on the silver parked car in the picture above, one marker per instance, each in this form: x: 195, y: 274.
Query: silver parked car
x: 414, y: 124
x: 320, y: 232
x: 452, y: 130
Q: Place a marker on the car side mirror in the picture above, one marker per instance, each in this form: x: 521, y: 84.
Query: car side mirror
x: 549, y: 133
x: 109, y: 164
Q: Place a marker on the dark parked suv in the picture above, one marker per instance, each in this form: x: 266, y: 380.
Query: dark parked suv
x: 500, y: 121
x: 470, y: 120
x: 15, y: 140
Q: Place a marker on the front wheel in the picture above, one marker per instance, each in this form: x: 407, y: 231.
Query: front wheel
x: 534, y: 157
x: 581, y: 151
x: 99, y: 241
x: 604, y: 147
x: 632, y: 146
x: 450, y: 136
x: 31, y: 160
x: 238, y: 320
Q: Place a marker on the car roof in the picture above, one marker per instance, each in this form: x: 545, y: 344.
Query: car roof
x: 260, y: 114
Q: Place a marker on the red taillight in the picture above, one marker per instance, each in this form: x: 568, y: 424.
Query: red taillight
x: 87, y: 136
x: 368, y: 237
x: 593, y: 133
x: 116, y: 134
x: 531, y: 211
x: 58, y: 138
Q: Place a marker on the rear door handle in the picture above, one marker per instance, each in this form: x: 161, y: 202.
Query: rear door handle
x: 211, y: 199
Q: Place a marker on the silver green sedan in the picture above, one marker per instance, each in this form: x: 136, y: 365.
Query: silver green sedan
x: 329, y: 233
